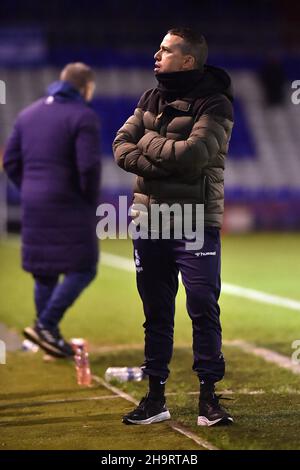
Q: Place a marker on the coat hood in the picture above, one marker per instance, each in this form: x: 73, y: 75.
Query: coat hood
x: 63, y: 91
x: 214, y: 80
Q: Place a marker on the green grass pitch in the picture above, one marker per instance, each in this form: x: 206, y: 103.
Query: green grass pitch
x: 41, y: 406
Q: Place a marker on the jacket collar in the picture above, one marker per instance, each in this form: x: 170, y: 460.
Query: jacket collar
x: 64, y: 91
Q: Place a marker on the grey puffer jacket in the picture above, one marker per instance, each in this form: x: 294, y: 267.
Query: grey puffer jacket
x: 178, y: 148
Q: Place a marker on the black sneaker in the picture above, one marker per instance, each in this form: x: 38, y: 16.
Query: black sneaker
x: 50, y: 340
x: 147, y: 412
x: 212, y: 413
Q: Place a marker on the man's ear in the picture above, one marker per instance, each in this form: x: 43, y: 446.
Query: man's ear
x: 189, y: 62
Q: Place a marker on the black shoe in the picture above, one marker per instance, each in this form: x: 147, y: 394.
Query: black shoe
x: 147, y: 412
x: 212, y: 413
x: 50, y: 340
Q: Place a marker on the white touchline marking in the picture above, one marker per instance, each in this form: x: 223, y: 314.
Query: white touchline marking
x: 267, y: 354
x: 176, y: 426
x: 126, y: 264
x: 116, y: 261
x: 113, y: 389
x: 288, y: 391
x: 260, y: 296
x: 201, y: 442
x: 56, y: 402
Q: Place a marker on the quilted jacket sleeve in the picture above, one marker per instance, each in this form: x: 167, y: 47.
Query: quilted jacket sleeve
x: 208, y: 139
x: 88, y: 157
x: 128, y: 155
x: 12, y: 159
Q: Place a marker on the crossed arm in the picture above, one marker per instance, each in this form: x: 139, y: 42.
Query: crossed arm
x: 205, y: 141
x: 129, y: 156
x: 152, y: 155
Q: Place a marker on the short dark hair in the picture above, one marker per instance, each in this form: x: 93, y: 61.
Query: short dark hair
x: 78, y: 74
x: 194, y: 44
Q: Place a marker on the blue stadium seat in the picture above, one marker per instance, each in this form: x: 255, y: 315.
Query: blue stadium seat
x: 114, y: 111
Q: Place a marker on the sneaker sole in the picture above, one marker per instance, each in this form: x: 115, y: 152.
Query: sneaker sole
x: 29, y: 333
x: 154, y: 419
x: 203, y: 421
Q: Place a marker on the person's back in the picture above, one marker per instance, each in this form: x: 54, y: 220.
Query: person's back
x: 53, y: 157
x: 49, y: 133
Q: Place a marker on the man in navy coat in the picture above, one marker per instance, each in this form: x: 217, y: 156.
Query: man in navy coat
x: 53, y: 157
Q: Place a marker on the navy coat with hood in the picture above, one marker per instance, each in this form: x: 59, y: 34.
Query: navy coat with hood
x: 53, y: 157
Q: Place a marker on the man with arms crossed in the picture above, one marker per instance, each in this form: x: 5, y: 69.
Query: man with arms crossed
x: 176, y: 143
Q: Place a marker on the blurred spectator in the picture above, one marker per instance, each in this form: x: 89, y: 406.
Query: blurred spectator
x: 273, y: 81
x: 52, y: 156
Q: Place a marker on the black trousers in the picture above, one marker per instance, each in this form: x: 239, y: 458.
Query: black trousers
x: 158, y: 263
